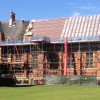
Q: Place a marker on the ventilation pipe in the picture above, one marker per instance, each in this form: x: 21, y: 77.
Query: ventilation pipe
x: 65, y: 56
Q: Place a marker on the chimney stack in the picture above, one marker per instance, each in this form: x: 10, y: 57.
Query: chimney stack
x: 12, y: 18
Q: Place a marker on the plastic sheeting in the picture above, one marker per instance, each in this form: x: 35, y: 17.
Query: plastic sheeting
x: 71, y: 80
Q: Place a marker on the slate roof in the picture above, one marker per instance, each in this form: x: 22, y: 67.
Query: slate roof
x: 76, y: 26
x: 14, y: 32
x: 51, y: 28
x: 79, y: 26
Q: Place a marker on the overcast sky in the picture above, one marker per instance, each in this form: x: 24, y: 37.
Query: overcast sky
x: 43, y: 9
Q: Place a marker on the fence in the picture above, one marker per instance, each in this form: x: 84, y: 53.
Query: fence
x: 72, y: 80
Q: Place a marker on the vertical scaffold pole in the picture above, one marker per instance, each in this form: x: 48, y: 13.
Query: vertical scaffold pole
x: 65, y: 55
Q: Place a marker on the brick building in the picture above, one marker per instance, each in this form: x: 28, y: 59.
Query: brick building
x: 30, y: 50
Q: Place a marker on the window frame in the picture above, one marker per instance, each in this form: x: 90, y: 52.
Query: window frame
x: 71, y: 60
x: 89, y: 60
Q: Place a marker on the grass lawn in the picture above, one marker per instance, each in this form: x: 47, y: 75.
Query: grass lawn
x: 61, y: 92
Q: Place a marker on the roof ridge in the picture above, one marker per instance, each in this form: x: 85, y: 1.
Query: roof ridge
x: 49, y: 19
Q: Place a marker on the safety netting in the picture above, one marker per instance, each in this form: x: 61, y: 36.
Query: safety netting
x: 72, y: 80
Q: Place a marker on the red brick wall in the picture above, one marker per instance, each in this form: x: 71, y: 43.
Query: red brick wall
x: 77, y: 58
x: 1, y: 36
x: 86, y: 71
x: 97, y: 61
x: 24, y: 57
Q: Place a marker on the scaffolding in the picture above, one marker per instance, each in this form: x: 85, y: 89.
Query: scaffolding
x: 32, y: 62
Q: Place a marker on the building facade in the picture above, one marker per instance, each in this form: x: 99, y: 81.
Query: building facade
x: 30, y: 50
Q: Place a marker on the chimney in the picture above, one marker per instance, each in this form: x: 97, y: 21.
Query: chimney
x: 12, y: 18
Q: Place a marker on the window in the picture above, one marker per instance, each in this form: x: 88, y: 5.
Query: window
x: 53, y: 61
x: 89, y: 60
x: 70, y: 60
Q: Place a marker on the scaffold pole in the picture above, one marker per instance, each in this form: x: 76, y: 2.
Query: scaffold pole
x: 65, y: 55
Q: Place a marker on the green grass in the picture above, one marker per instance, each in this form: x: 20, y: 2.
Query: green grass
x: 61, y: 92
